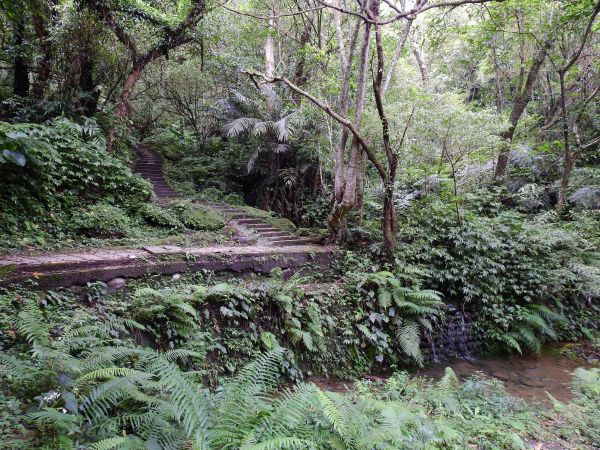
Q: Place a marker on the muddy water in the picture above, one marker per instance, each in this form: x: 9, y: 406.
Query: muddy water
x: 527, y: 377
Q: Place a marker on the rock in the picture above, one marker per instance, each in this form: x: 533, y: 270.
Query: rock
x: 534, y: 383
x: 176, y: 276
x: 116, y: 283
x: 501, y: 374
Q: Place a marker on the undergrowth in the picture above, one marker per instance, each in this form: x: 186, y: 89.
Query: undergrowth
x: 84, y: 379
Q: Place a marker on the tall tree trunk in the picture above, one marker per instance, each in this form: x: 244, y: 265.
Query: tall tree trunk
x: 360, y: 186
x: 299, y: 75
x: 21, y: 69
x: 420, y: 58
x: 337, y: 222
x: 43, y: 35
x: 397, y: 54
x: 346, y: 60
x: 522, y: 98
x: 389, y: 224
x: 270, y: 51
x: 389, y: 221
x: 123, y: 110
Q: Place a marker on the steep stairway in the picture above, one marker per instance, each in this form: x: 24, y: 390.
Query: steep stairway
x: 258, y: 231
x: 251, y: 230
x: 149, y: 166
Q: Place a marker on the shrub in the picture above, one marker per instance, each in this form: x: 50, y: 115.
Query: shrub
x: 212, y: 194
x: 102, y: 221
x: 161, y: 217
x: 515, y: 273
x: 199, y: 217
x: 54, y: 167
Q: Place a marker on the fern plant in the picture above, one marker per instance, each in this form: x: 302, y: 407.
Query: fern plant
x: 532, y: 325
x: 408, y: 308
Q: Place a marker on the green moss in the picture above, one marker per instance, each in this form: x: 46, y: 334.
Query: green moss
x: 270, y: 218
x: 103, y: 221
x: 199, y: 217
x: 161, y: 217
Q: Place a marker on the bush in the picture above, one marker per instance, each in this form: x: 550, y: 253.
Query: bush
x: 199, y: 217
x: 515, y: 273
x: 47, y: 170
x: 161, y: 217
x: 102, y: 221
x: 215, y: 195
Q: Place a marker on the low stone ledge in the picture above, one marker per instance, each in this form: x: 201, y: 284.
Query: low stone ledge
x: 75, y: 269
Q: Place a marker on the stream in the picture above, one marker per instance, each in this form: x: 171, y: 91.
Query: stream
x: 528, y: 377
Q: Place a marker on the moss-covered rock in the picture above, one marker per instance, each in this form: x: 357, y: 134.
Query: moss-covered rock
x: 203, y: 219
x: 161, y: 217
x: 270, y: 218
x: 102, y: 221
x: 199, y: 217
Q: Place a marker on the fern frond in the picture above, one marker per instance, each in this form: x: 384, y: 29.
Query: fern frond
x: 30, y: 322
x: 408, y: 335
x: 282, y: 443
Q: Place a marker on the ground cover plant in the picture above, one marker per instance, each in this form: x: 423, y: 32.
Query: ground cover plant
x: 136, y: 372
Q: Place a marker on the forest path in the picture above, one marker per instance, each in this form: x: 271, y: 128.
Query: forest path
x: 260, y: 247
x: 150, y: 166
x: 249, y: 229
x: 68, y: 269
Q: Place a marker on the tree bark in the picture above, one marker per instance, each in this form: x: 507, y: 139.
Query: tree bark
x: 346, y: 60
x: 299, y: 76
x: 521, y: 100
x: 43, y: 35
x: 389, y: 221
x: 397, y: 55
x: 337, y: 221
x: 21, y: 69
x: 123, y: 110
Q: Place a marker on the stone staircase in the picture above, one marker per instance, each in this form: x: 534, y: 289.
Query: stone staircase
x: 250, y: 230
x: 149, y: 166
x: 258, y: 231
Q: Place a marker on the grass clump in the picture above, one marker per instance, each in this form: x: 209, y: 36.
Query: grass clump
x: 102, y: 221
x: 161, y: 217
x: 197, y: 217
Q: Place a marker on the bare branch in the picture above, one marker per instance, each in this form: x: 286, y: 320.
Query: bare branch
x: 421, y: 7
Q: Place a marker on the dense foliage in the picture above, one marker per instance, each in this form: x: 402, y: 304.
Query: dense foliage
x: 449, y: 149
x: 78, y: 372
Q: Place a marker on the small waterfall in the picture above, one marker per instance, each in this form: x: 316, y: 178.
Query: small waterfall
x: 451, y: 337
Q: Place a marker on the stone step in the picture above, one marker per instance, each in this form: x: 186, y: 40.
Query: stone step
x: 262, y: 227
x: 67, y: 270
x: 275, y: 234
x: 290, y: 242
x: 263, y: 231
x: 250, y: 221
x: 156, y: 172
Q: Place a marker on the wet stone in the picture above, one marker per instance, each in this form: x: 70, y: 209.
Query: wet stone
x: 116, y: 284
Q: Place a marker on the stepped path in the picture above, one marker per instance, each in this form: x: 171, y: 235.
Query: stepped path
x: 149, y: 165
x: 258, y: 247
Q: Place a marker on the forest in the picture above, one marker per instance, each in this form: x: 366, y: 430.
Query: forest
x: 299, y: 224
